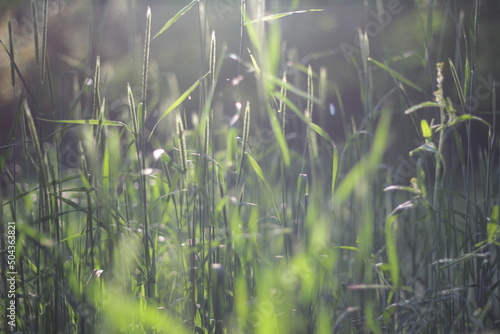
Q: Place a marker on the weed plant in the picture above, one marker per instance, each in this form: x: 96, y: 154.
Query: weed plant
x: 212, y: 231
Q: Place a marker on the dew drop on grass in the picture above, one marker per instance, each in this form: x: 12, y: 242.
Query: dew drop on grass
x: 237, y: 80
x: 147, y: 171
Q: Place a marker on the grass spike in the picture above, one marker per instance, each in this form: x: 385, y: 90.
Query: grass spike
x: 44, y: 38
x: 11, y: 47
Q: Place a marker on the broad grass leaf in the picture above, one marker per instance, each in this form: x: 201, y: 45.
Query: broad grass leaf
x: 391, y: 249
x: 420, y: 106
x: 102, y: 122
x: 280, y: 138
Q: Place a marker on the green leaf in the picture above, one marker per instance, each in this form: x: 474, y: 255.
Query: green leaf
x: 492, y: 228
x: 428, y: 146
x: 257, y: 169
x: 278, y: 134
x: 87, y: 122
x: 335, y: 169
x: 494, y: 214
x: 355, y: 249
x: 403, y: 188
x: 385, y: 267
x: 178, y: 102
x: 260, y: 174
x: 391, y: 250
x: 458, y: 85
x: 426, y: 130
x: 395, y: 74
x: 402, y: 207
x: 388, y: 313
x: 420, y: 106
x: 280, y: 15
x: 463, y: 118
x: 175, y: 18
x: 320, y: 131
x: 254, y: 63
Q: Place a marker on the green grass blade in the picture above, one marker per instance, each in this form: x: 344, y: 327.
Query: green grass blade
x: 182, y: 143
x: 258, y: 171
x: 395, y: 74
x: 20, y: 75
x: 320, y: 131
x: 11, y: 47
x: 178, y: 102
x: 175, y: 18
x: 279, y: 136
x: 280, y: 15
x: 97, y: 88
x: 246, y: 128
x: 391, y: 250
x: 44, y: 37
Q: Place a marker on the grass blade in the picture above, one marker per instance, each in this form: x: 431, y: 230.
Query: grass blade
x: 35, y: 31
x: 44, y: 37
x: 103, y: 122
x: 279, y: 136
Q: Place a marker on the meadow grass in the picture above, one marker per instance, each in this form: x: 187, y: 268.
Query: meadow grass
x: 214, y: 231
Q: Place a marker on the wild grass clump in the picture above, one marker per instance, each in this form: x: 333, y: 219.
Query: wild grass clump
x: 209, y: 230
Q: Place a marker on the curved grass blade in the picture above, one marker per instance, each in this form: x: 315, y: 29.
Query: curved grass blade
x: 147, y: 42
x: 462, y: 118
x: 178, y: 102
x: 421, y: 106
x: 44, y: 39
x: 280, y: 137
x: 395, y: 74
x: 175, y: 18
x: 260, y: 174
x: 280, y: 15
x: 35, y: 31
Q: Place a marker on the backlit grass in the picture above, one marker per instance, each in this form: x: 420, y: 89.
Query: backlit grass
x: 215, y: 229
